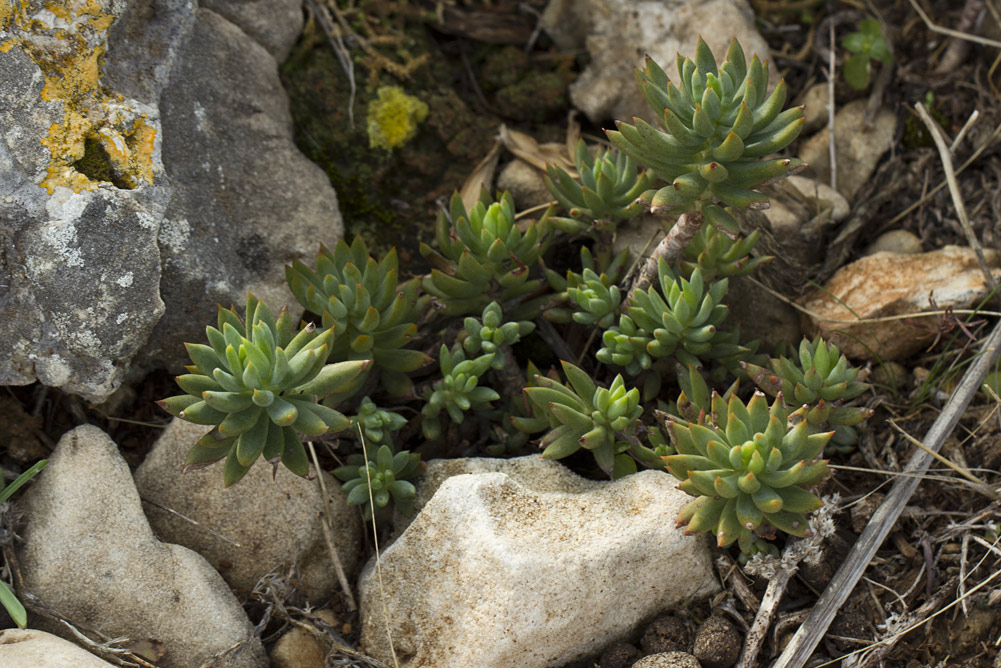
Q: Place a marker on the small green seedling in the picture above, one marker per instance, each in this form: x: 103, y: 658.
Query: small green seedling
x: 866, y: 45
x: 7, y: 597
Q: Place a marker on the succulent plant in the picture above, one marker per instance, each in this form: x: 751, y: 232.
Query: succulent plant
x: 256, y: 384
x: 457, y: 391
x: 719, y: 122
x: 485, y: 256
x: 608, y: 272
x: 373, y: 314
x: 376, y: 424
x: 597, y: 302
x: 680, y: 320
x: 750, y: 469
x: 716, y: 254
x: 385, y: 479
x: 608, y: 192
x: 823, y: 380
x: 584, y: 415
x: 491, y: 332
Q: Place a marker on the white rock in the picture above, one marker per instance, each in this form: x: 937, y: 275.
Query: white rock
x: 887, y: 284
x: 808, y: 198
x: 90, y: 554
x: 28, y: 648
x: 857, y: 146
x: 815, y: 99
x: 619, y: 33
x: 526, y: 184
x: 274, y: 520
x: 532, y: 569
x: 895, y: 241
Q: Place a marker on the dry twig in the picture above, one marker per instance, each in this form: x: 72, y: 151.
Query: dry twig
x: 957, y: 198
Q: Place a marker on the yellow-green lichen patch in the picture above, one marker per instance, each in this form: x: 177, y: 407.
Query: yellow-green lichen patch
x: 393, y: 117
x: 67, y: 40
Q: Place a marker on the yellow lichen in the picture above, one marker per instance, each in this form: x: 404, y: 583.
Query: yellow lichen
x: 393, y: 117
x: 72, y: 75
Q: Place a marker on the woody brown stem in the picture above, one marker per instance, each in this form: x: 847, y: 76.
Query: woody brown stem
x: 670, y: 248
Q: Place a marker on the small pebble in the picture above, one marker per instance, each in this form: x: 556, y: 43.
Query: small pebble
x: 717, y: 643
x: 620, y: 655
x: 895, y: 241
x: 668, y: 660
x: 666, y: 634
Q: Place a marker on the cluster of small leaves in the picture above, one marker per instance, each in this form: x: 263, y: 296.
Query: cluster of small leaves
x: 256, y: 384
x: 373, y: 314
x: 458, y: 391
x: 750, y: 468
x: 585, y: 415
x: 607, y: 194
x: 719, y: 123
x: 384, y: 478
x: 375, y: 423
x: 716, y: 254
x: 490, y: 333
x: 484, y: 256
x: 680, y: 319
x: 609, y: 275
x: 866, y: 45
x: 821, y: 379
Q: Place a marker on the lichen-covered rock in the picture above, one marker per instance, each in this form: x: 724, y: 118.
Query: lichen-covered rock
x: 888, y: 284
x: 619, y: 33
x: 106, y: 200
x: 90, y: 555
x: 274, y: 515
x: 28, y: 648
x: 532, y: 569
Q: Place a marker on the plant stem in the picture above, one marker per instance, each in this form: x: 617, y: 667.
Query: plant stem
x: 670, y: 248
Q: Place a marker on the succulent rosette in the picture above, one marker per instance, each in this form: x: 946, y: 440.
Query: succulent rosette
x: 750, y: 468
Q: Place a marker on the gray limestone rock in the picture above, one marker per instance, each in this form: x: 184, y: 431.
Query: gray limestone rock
x: 234, y: 218
x: 147, y: 171
x: 89, y: 554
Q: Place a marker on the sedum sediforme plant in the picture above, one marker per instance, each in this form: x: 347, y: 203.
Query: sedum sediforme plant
x: 750, y: 468
x: 608, y: 192
x: 719, y: 122
x: 256, y: 384
x: 377, y: 424
x: 490, y: 334
x: 385, y: 479
x: 485, y: 256
x: 717, y: 255
x: 609, y: 276
x: 584, y: 415
x: 680, y: 319
x: 458, y: 390
x: 373, y: 314
x: 821, y: 379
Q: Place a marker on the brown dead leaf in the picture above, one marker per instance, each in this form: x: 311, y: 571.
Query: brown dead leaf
x: 525, y: 147
x: 481, y: 177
